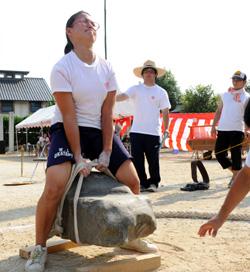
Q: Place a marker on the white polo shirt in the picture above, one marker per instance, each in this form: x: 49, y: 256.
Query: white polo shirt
x: 89, y: 85
x: 247, y: 161
x: 148, y: 101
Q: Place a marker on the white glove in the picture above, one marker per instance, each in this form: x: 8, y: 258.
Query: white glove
x: 103, y: 160
x: 86, y: 166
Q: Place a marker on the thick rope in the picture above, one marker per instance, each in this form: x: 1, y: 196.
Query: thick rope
x: 199, y: 215
x: 227, y: 149
x: 75, y: 201
x: 203, y: 215
x: 57, y: 225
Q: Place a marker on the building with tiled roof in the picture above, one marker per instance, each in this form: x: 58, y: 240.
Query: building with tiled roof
x: 22, y: 95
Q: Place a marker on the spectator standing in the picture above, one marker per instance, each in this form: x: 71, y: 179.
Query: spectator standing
x: 231, y: 130
x: 145, y: 135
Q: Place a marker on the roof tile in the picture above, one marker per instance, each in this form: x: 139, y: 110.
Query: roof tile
x: 27, y: 89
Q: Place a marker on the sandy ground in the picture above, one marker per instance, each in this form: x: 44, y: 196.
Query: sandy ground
x: 180, y: 248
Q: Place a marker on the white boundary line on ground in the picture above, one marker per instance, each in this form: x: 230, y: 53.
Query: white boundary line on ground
x: 158, y: 215
x: 200, y: 215
x: 17, y: 228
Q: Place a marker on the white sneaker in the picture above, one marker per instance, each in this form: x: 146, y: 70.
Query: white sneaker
x: 152, y: 188
x: 141, y: 246
x: 37, y: 259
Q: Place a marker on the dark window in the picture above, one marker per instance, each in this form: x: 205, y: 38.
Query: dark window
x: 34, y: 106
x: 7, y: 106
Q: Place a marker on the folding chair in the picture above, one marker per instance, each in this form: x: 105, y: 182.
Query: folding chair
x: 41, y: 158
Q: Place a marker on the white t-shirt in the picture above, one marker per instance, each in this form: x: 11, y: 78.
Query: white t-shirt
x: 247, y: 161
x: 231, y: 118
x: 41, y: 140
x: 148, y: 101
x: 89, y: 85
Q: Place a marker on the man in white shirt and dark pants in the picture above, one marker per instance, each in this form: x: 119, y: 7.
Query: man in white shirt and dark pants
x: 145, y: 135
x: 230, y: 130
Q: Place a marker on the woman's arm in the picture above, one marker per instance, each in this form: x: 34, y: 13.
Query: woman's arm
x: 66, y: 105
x: 107, y: 129
x: 107, y: 120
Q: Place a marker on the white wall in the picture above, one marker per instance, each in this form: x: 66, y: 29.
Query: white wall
x: 21, y: 108
x: 44, y: 104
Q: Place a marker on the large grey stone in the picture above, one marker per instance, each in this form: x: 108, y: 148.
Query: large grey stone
x: 108, y: 214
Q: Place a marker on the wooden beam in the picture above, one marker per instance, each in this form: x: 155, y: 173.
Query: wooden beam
x: 52, y: 246
x: 18, y: 183
x: 139, y: 263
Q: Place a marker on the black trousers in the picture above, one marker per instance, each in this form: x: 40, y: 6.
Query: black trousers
x: 146, y: 145
x: 224, y: 141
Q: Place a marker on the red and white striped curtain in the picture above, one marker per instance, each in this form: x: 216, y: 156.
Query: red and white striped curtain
x: 179, y: 127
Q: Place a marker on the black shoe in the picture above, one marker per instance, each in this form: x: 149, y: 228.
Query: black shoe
x: 195, y: 186
x: 143, y: 189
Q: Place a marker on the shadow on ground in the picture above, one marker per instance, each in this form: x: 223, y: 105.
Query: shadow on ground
x: 71, y: 260
x: 13, y: 214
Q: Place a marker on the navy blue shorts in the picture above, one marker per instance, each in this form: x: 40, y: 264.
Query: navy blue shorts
x: 91, y: 147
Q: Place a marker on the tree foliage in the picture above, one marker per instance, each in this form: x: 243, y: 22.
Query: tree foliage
x: 51, y: 102
x: 247, y: 87
x: 199, y: 99
x: 168, y: 82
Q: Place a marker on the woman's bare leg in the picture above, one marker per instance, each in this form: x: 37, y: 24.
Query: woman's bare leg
x: 127, y: 175
x: 56, y: 179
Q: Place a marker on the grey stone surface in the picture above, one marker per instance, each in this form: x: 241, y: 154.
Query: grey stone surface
x: 108, y: 213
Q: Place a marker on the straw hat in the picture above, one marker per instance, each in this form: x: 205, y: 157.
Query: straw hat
x: 149, y: 64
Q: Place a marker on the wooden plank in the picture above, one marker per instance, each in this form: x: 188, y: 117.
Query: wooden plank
x: 18, y: 183
x: 139, y: 263
x: 202, y: 144
x: 52, y: 246
x: 40, y: 159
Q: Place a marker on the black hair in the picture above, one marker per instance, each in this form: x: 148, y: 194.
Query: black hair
x: 142, y: 71
x: 247, y: 114
x: 69, y: 46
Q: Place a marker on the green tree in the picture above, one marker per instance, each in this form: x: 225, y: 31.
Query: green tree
x: 248, y: 86
x: 168, y: 82
x: 51, y: 102
x: 199, y: 99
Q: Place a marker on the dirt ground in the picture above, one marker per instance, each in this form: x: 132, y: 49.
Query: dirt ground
x: 180, y: 247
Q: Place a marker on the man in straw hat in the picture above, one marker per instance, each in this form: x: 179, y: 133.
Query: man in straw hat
x: 145, y: 134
